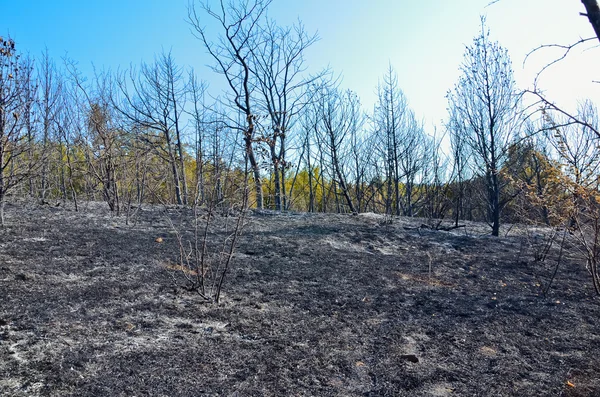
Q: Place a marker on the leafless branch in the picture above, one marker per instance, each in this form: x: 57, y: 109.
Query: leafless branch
x: 566, y: 50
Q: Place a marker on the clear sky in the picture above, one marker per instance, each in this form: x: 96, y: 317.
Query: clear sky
x: 423, y: 40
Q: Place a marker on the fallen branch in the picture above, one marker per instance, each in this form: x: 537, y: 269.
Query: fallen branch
x: 441, y: 228
x: 449, y: 228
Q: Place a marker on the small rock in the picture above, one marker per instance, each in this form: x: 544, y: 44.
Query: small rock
x: 21, y: 277
x: 410, y: 357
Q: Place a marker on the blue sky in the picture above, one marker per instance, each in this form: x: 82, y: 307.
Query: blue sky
x: 423, y: 40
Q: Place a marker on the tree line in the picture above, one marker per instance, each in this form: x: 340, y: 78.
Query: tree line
x: 151, y: 134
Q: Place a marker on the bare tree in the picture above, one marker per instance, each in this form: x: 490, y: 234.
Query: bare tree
x: 486, y: 101
x: 199, y: 122
x: 155, y: 100
x: 232, y: 55
x: 460, y: 162
x: 50, y: 86
x: 412, y: 143
x: 102, y: 156
x: 577, y: 145
x: 541, y: 100
x: 100, y: 133
x: 277, y: 65
x: 338, y: 114
x: 389, y: 114
x: 435, y: 182
x: 68, y: 134
x: 360, y: 157
x: 176, y: 98
x: 402, y: 143
x: 309, y: 121
x: 15, y: 101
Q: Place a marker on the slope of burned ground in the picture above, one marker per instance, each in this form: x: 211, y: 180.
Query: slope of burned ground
x: 326, y: 305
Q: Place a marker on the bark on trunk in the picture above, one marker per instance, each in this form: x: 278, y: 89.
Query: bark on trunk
x: 494, y: 202
x: 254, y: 165
x: 593, y: 14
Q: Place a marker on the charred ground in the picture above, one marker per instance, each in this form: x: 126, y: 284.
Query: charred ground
x: 314, y: 305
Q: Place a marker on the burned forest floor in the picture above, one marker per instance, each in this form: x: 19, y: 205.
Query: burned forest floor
x: 313, y: 305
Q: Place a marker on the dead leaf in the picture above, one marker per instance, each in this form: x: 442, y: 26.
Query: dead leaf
x: 488, y: 351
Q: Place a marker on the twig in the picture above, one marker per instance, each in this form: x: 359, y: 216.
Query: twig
x: 567, y: 49
x: 450, y: 228
x: 558, y: 260
x: 572, y: 120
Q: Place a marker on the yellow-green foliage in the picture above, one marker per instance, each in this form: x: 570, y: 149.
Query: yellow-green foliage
x: 297, y: 189
x: 541, y: 187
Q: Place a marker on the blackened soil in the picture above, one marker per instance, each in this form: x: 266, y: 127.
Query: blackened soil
x: 314, y: 305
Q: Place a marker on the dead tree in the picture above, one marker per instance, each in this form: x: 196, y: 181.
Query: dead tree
x: 460, y: 155
x: 50, y: 86
x: 436, y: 197
x: 232, y: 55
x: 15, y: 100
x: 199, y: 121
x: 486, y: 101
x: 102, y: 155
x: 338, y: 113
x: 412, y: 145
x: 388, y: 117
x: 66, y: 125
x: 100, y: 138
x: 360, y: 157
x: 153, y: 102
x: 541, y: 100
x: 577, y: 145
x: 277, y: 65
